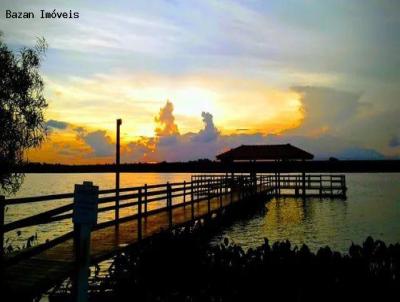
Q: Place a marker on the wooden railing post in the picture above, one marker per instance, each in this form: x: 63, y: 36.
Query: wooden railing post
x: 184, y: 193
x: 192, y: 198
x: 238, y: 187
x: 220, y: 192
x: 244, y: 189
x: 279, y: 183
x: 200, y: 186
x: 208, y: 197
x: 139, y: 214
x: 2, y: 215
x: 117, y: 170
x: 169, y: 203
x: 226, y: 185
x: 145, y: 201
x: 248, y: 189
x: 199, y: 189
x: 320, y: 186
x: 247, y: 185
x: 84, y: 218
x: 241, y: 194
x: 232, y: 184
x: 195, y: 193
x: 196, y: 188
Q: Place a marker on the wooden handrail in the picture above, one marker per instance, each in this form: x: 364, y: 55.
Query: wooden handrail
x: 56, y: 197
x: 36, y: 219
x: 200, y: 188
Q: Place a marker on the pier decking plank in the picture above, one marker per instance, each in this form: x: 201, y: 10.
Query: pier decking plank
x: 30, y: 277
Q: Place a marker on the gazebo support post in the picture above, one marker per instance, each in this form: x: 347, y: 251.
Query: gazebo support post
x: 303, y: 183
x: 279, y: 180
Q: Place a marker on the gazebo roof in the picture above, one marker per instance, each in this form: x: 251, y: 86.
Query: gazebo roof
x: 265, y: 152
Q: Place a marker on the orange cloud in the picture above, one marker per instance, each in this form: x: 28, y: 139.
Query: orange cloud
x: 165, y: 121
x: 234, y: 102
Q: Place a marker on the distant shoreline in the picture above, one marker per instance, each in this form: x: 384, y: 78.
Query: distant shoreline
x: 204, y: 166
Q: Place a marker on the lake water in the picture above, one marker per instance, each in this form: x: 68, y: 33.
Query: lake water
x: 372, y: 208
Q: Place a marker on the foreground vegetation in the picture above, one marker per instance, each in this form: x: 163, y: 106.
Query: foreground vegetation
x: 180, y: 267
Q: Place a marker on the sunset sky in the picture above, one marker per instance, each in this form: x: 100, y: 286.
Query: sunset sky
x: 193, y: 78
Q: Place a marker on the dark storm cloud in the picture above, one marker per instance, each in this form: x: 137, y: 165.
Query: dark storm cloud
x: 57, y: 124
x: 98, y: 140
x: 326, y: 107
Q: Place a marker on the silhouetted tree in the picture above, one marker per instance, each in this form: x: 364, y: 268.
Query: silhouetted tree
x: 22, y: 124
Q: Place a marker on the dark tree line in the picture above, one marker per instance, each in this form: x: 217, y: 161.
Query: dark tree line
x: 22, y: 123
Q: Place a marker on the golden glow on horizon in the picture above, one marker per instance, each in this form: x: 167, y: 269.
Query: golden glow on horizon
x: 238, y: 107
x: 234, y: 103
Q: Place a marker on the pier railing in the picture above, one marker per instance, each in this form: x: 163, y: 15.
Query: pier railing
x: 142, y: 201
x: 310, y: 185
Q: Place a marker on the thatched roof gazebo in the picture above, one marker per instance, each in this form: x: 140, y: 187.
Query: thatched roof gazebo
x: 254, y: 153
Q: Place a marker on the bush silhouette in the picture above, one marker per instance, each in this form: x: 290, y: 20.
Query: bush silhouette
x: 181, y: 267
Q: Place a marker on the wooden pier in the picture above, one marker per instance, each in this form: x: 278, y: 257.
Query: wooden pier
x: 155, y: 208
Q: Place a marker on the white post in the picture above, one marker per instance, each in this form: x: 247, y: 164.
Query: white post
x: 84, y: 218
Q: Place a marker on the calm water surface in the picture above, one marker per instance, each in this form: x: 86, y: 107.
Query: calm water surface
x: 372, y: 208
